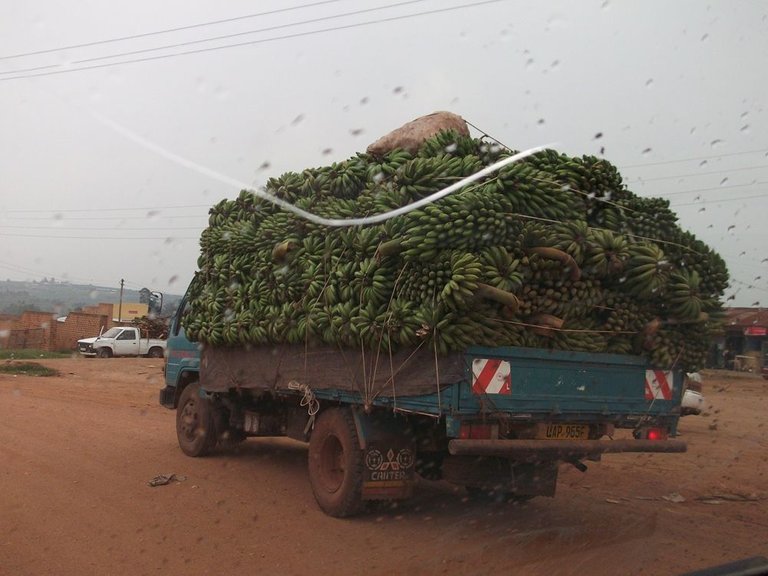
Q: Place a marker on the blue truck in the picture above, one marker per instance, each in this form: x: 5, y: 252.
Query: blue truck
x: 498, y: 421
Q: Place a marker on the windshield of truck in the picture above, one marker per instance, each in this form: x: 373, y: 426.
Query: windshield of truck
x: 585, y: 184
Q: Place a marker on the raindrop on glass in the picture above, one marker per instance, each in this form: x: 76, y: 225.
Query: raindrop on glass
x: 646, y: 151
x: 598, y: 136
x: 327, y: 151
x: 715, y: 142
x: 723, y: 181
x: 265, y: 165
x: 649, y: 83
x: 298, y: 120
x: 356, y: 131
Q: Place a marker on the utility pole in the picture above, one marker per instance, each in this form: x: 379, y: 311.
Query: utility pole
x: 120, y: 306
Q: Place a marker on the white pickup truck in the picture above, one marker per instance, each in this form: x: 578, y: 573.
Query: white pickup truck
x: 121, y: 341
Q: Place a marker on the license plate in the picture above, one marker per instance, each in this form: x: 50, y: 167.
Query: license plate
x: 564, y: 432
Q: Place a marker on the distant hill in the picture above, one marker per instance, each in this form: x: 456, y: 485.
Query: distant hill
x: 63, y: 297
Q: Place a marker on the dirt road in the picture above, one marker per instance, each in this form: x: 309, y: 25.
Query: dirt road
x: 77, y: 451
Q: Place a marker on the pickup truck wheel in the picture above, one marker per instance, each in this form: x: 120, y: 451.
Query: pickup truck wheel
x: 336, y: 463
x: 195, y: 427
x: 155, y: 352
x: 105, y: 353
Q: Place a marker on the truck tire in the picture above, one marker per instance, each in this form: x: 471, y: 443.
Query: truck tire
x: 336, y: 463
x: 195, y: 427
x: 105, y: 353
x: 155, y: 352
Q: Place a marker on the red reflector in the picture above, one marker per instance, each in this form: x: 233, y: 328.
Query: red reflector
x: 481, y: 431
x: 657, y: 434
x: 478, y: 431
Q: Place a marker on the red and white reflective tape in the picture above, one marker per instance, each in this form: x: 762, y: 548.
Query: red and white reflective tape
x: 491, y: 376
x: 658, y: 384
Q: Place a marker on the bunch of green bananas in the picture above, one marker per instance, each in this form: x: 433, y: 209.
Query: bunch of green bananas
x: 553, y: 251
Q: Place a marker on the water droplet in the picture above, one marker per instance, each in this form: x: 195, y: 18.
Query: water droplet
x: 172, y: 280
x: 703, y: 163
x: 715, y: 142
x: 364, y: 100
x: 646, y: 151
x: 602, y: 150
x: 598, y: 136
x: 744, y: 128
x: 692, y: 130
x: 723, y: 181
x: 529, y: 63
x: 743, y: 253
x: 327, y: 151
x: 540, y: 121
x: 398, y: 90
x: 744, y: 115
x: 265, y: 165
x: 298, y: 120
x: 555, y: 64
x: 704, y: 37
x: 58, y: 216
x: 356, y: 131
x: 649, y: 83
x: 731, y: 227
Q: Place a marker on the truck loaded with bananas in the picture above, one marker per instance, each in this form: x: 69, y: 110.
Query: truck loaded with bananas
x: 522, y: 304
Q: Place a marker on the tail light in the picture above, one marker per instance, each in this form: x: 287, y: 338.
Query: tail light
x: 651, y: 433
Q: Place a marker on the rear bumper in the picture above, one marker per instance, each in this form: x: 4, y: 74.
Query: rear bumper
x: 538, y: 450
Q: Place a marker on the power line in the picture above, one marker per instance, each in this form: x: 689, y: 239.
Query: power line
x: 48, y: 236
x: 253, y: 42
x: 711, y: 188
x: 71, y: 218
x: 167, y: 30
x: 121, y: 209
x: 698, y: 174
x: 694, y: 158
x: 214, y: 38
x: 111, y: 229
x: 720, y: 201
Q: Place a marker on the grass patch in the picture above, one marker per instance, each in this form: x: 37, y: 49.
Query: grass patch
x: 32, y: 354
x: 27, y: 369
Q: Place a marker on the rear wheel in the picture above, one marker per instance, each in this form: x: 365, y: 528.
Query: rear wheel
x: 195, y: 426
x: 155, y: 352
x: 336, y: 463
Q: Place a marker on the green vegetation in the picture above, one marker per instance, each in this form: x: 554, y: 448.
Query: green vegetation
x: 27, y: 369
x: 551, y: 252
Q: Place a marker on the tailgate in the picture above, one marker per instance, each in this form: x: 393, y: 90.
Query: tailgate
x: 562, y: 384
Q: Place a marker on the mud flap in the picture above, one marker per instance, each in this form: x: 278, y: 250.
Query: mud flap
x: 388, y: 456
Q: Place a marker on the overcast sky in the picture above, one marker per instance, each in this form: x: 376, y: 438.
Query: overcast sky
x: 677, y: 89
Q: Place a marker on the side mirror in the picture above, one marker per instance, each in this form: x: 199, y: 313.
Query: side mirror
x: 155, y: 302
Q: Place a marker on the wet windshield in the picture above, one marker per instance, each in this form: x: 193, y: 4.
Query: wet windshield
x: 472, y: 286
